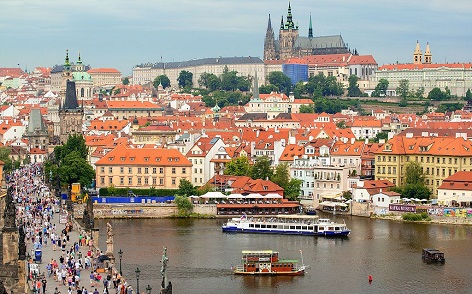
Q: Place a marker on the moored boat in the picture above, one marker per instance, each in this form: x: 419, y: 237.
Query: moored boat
x: 433, y: 255
x: 267, y: 262
x: 309, y: 225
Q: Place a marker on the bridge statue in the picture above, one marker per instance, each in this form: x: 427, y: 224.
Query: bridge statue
x: 165, y: 289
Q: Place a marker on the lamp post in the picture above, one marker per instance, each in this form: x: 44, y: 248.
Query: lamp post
x: 148, y: 289
x: 137, y: 271
x: 120, y: 255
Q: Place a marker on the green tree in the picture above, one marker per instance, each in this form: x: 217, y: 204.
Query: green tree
x: 281, y: 81
x: 468, y: 95
x: 437, y: 95
x: 210, y: 81
x: 419, y: 191
x: 243, y: 84
x: 112, y: 190
x: 75, y: 169
x: 381, y: 88
x: 126, y: 81
x: 186, y: 188
x: 261, y: 168
x: 267, y: 89
x: 162, y: 80
x: 414, y: 173
x: 306, y: 109
x: 299, y: 89
x: 10, y: 164
x: 419, y: 93
x: 380, y: 136
x: 353, y: 89
x: 183, y: 204
x: 229, y: 80
x: 341, y: 124
x: 293, y: 189
x: 403, y: 88
x: 238, y: 166
x: 281, y: 175
x: 185, y: 79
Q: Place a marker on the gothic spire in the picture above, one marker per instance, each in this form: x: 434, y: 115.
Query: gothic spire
x: 269, y: 25
x: 282, y: 23
x: 310, y: 29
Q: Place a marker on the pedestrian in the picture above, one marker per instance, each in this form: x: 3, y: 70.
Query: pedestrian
x: 44, y: 282
x: 96, y: 291
x: 56, y: 291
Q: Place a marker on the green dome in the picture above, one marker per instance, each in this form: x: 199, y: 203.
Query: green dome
x: 81, y: 76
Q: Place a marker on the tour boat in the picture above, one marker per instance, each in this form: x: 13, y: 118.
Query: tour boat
x: 433, y: 255
x: 267, y: 262
x: 309, y: 225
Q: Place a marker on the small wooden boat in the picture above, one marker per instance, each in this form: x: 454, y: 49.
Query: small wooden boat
x: 433, y: 255
x: 267, y: 263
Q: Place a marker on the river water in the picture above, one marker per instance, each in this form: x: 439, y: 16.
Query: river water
x: 201, y: 256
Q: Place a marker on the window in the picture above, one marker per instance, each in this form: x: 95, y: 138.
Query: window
x: 161, y: 181
x: 139, y: 170
x: 102, y: 169
x: 173, y: 170
x: 122, y: 170
x: 146, y: 181
x: 122, y: 181
x: 154, y: 170
x: 130, y: 170
x: 146, y: 158
x: 130, y: 181
x: 184, y: 170
x: 146, y: 170
x: 161, y: 170
x: 139, y: 180
x: 201, y: 170
x: 110, y: 180
x: 173, y: 181
x: 110, y: 170
x: 102, y: 180
x: 154, y: 181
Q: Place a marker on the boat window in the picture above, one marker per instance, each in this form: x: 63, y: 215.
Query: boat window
x: 258, y: 225
x: 299, y: 227
x: 292, y: 227
x: 304, y: 228
x: 263, y: 226
x: 251, y: 225
x: 330, y: 228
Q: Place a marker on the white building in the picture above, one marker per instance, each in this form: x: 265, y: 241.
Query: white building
x: 456, y: 189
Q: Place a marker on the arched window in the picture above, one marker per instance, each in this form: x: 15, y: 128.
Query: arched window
x: 82, y: 91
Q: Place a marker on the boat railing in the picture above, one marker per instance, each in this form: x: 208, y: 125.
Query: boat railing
x: 238, y: 268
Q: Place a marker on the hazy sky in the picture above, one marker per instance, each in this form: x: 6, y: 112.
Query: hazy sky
x: 122, y: 34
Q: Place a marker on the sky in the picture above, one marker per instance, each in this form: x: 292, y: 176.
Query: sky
x: 122, y: 34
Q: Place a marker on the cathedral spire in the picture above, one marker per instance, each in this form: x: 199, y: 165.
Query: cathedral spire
x: 282, y: 23
x: 269, y: 42
x: 310, y: 29
x: 269, y: 25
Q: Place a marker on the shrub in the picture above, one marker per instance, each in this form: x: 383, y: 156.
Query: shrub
x: 415, y: 217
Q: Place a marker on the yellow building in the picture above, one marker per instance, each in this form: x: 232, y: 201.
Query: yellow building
x: 126, y: 167
x: 440, y: 158
x: 105, y: 76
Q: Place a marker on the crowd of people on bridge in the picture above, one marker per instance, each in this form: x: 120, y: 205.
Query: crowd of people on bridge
x: 37, y: 208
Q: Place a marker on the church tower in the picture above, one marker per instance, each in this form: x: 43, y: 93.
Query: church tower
x: 269, y: 43
x: 417, y: 55
x: 66, y: 74
x: 70, y: 114
x: 287, y: 36
x: 428, y: 56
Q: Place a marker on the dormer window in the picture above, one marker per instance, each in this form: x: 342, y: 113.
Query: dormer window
x: 158, y: 159
x: 122, y: 158
x: 146, y: 158
x: 131, y: 158
x: 111, y: 158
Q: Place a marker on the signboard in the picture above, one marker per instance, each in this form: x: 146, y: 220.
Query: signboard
x: 402, y: 208
x: 63, y: 218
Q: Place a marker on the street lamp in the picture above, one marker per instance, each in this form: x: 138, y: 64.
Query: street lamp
x: 120, y: 255
x: 137, y: 271
x: 148, y: 289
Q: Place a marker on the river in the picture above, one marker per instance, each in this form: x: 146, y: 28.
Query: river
x: 201, y: 256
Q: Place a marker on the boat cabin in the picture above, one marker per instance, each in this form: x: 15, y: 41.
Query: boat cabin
x: 433, y: 255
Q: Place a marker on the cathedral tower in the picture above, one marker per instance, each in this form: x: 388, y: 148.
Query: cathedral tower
x: 287, y: 36
x: 70, y: 114
x: 310, y: 29
x: 428, y: 56
x: 269, y: 43
x: 417, y: 55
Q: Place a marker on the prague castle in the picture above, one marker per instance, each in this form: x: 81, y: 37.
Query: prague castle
x: 291, y: 44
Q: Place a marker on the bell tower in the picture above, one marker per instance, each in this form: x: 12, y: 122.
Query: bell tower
x: 417, y: 55
x: 428, y: 56
x: 287, y: 36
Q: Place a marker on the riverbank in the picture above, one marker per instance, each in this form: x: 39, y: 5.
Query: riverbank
x: 434, y: 220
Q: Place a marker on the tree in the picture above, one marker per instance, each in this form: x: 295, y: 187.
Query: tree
x: 183, y: 204
x: 293, y: 189
x: 261, y: 168
x: 186, y: 188
x: 403, y: 88
x: 75, y: 169
x: 381, y: 136
x: 437, y: 95
x: 163, y: 80
x: 341, y: 124
x: 185, y: 79
x: 238, y: 166
x: 281, y: 81
x: 468, y: 95
x: 267, y: 89
x: 10, y: 164
x: 419, y: 191
x: 353, y: 89
x: 299, y: 89
x: 210, y: 81
x: 126, y: 81
x: 229, y: 80
x: 306, y: 109
x: 281, y: 175
x: 243, y: 84
x: 414, y: 173
x: 381, y: 88
x: 112, y: 190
